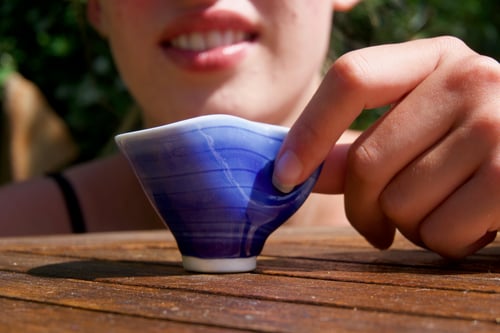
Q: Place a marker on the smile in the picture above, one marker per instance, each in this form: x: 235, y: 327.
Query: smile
x: 208, y: 41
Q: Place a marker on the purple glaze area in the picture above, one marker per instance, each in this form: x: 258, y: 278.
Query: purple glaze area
x: 210, y: 180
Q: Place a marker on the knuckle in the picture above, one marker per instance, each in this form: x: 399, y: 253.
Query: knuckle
x: 482, y: 70
x: 311, y: 133
x: 393, y: 203
x: 475, y: 74
x: 486, y: 69
x: 352, y: 68
x: 485, y: 130
x: 308, y: 135
x: 495, y: 173
x: 450, y: 42
x: 362, y: 162
x: 492, y: 174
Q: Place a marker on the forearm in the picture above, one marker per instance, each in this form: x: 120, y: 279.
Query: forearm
x: 107, y: 191
x: 111, y: 197
x: 31, y: 208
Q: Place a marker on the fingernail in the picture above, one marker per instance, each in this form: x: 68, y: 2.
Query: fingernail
x: 287, y: 170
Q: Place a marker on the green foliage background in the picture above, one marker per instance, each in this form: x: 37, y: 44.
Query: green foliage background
x: 50, y: 43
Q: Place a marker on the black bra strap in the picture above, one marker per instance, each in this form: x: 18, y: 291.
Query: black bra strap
x: 72, y: 204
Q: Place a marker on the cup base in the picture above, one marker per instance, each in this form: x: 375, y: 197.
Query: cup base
x: 229, y: 265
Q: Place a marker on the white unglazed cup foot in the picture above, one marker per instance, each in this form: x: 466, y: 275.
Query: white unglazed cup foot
x: 229, y: 265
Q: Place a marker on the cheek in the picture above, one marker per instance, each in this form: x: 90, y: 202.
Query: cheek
x: 124, y: 14
x: 295, y: 24
x: 131, y: 27
x: 131, y: 6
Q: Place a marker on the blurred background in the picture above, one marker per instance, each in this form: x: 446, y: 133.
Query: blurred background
x: 62, y: 100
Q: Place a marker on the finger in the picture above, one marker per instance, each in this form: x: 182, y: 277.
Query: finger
x: 366, y: 78
x: 467, y: 220
x: 429, y: 141
x: 427, y: 181
x: 332, y: 180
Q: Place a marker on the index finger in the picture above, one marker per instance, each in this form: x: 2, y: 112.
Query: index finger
x: 362, y: 79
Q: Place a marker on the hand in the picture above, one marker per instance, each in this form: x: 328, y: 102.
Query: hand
x: 430, y: 167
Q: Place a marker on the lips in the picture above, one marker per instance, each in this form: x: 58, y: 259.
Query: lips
x: 208, y: 41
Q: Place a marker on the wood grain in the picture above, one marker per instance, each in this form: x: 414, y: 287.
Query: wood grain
x: 306, y: 281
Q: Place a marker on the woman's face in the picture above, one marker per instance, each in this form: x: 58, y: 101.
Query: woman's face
x: 258, y: 59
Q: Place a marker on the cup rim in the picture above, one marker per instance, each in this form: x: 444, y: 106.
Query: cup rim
x: 152, y: 132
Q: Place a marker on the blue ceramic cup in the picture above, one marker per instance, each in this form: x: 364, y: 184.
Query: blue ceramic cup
x: 210, y: 179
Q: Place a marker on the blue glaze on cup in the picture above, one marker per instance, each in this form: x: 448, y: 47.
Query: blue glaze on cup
x: 210, y: 179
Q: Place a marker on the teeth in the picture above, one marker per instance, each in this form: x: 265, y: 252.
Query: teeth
x: 214, y: 39
x: 198, y: 41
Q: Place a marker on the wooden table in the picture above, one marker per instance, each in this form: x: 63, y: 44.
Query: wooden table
x: 307, y: 280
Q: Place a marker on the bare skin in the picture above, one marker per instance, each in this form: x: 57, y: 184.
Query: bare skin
x: 109, y: 195
x: 430, y: 167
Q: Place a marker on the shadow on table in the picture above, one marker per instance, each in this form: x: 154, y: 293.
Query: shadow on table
x: 102, y: 269
x: 368, y: 260
x: 417, y: 261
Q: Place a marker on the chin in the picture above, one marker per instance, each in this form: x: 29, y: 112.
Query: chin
x: 170, y: 113
x: 256, y: 113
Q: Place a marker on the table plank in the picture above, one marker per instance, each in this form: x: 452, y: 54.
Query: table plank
x: 26, y: 316
x: 404, y: 276
x: 446, y: 278
x: 461, y: 303
x: 226, y: 312
x: 321, y: 279
x: 411, y: 268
